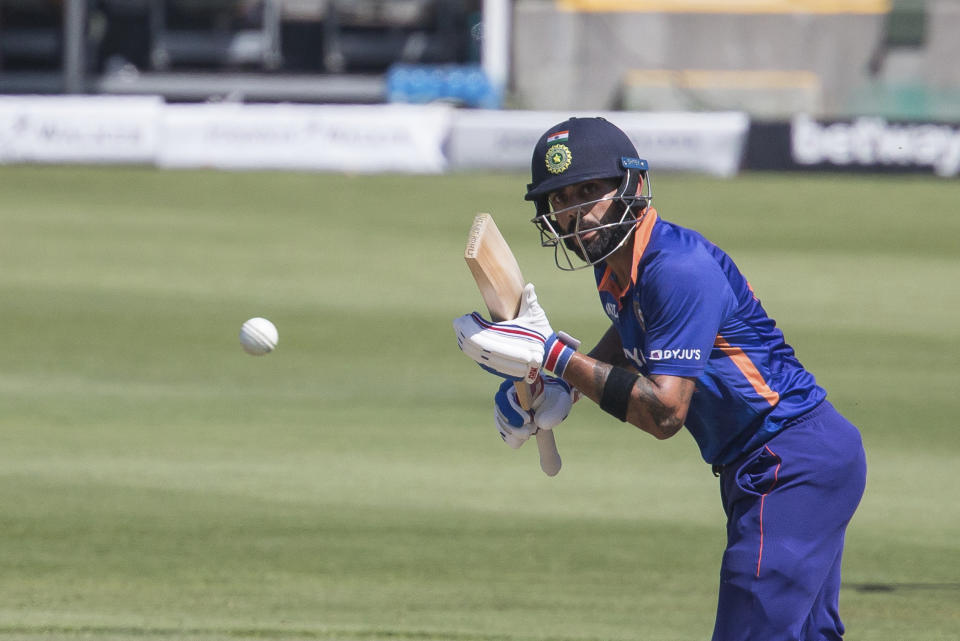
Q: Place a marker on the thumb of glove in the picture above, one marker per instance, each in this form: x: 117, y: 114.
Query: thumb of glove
x: 556, y: 405
x: 531, y: 314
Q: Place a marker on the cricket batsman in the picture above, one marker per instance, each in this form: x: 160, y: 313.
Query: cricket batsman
x: 689, y: 344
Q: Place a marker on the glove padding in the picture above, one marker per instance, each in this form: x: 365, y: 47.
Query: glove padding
x: 512, y: 349
x: 550, y: 407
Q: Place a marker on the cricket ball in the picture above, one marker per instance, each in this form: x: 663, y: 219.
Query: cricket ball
x: 258, y: 336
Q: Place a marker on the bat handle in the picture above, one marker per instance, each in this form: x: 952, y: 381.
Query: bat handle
x: 549, y: 456
x: 550, y: 461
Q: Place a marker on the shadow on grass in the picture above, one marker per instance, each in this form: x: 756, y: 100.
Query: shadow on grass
x: 897, y: 587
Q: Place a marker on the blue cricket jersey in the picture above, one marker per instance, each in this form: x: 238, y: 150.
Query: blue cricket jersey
x: 690, y: 312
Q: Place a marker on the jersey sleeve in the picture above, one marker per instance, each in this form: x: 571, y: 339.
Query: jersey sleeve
x: 684, y: 297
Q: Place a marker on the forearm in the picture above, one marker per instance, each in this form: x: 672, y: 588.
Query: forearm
x: 656, y: 405
x: 610, y: 350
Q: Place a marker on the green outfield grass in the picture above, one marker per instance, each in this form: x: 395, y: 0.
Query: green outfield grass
x: 158, y: 483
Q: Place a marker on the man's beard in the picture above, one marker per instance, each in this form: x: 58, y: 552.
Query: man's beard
x: 603, y: 242
x: 605, y: 239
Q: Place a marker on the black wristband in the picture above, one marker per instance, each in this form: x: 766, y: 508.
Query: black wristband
x: 616, y: 392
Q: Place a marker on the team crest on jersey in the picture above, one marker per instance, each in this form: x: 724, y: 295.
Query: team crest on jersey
x: 611, y: 310
x: 558, y: 159
x: 639, y: 314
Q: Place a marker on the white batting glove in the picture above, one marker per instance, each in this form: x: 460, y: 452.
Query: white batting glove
x: 512, y: 349
x: 514, y: 423
x: 550, y: 407
x: 554, y: 403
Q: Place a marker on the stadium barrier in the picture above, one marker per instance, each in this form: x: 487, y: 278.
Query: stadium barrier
x: 701, y: 142
x: 431, y: 138
x: 436, y: 138
x: 64, y: 129
x: 362, y: 139
x: 865, y: 144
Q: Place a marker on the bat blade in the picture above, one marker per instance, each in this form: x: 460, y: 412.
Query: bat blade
x: 494, y: 268
x: 498, y: 276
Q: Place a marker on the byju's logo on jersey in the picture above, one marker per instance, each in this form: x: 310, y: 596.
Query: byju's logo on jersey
x: 674, y: 355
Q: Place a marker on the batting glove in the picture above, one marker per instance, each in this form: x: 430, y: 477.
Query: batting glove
x: 554, y: 403
x: 550, y: 408
x: 514, y: 423
x: 517, y: 349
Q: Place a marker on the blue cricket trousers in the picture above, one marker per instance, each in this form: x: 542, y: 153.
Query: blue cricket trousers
x: 788, y: 504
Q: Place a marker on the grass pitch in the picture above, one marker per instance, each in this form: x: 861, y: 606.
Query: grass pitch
x: 159, y: 483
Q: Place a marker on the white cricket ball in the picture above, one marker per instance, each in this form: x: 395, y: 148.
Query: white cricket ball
x: 259, y: 336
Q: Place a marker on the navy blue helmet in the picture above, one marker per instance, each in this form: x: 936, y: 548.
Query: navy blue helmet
x: 574, y: 151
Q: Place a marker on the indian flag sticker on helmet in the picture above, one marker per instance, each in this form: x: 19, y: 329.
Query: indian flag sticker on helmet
x: 559, y: 136
x: 558, y: 159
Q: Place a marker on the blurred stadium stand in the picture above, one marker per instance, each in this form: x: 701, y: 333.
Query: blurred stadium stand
x: 909, y: 75
x: 263, y: 50
x: 205, y: 34
x: 31, y: 45
x: 893, y: 58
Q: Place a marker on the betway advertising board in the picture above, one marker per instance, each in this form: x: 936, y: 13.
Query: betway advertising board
x: 866, y: 144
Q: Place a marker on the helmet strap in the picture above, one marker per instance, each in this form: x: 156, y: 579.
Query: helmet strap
x: 543, y: 206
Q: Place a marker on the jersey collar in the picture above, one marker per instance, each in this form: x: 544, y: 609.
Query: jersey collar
x: 641, y: 238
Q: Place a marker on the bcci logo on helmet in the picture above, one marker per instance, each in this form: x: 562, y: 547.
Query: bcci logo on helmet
x: 558, y: 159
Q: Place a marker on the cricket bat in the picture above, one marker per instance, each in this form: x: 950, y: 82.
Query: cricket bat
x: 498, y: 276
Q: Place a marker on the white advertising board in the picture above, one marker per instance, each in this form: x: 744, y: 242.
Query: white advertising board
x: 340, y: 138
x: 711, y: 143
x: 80, y: 129
x: 362, y: 139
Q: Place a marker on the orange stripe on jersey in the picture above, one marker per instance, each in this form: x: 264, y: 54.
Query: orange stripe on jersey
x: 748, y: 369
x: 640, y: 241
